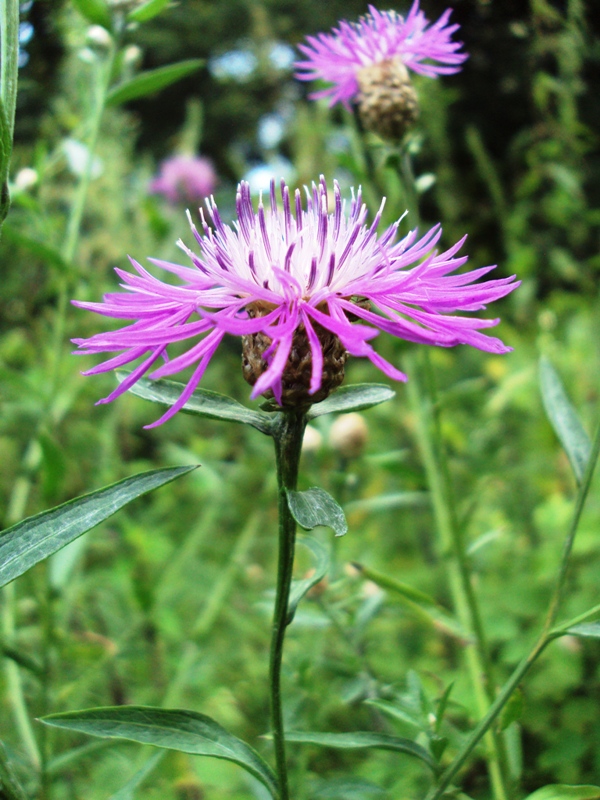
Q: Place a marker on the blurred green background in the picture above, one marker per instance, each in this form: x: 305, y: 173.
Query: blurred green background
x: 169, y: 602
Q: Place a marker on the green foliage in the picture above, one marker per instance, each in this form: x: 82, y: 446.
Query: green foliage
x: 314, y: 507
x: 170, y: 606
x: 34, y: 539
x: 174, y: 729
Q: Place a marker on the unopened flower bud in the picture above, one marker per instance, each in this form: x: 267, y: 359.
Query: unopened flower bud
x: 312, y: 440
x: 25, y: 179
x: 348, y: 435
x: 98, y: 38
x: 132, y: 56
x: 387, y: 101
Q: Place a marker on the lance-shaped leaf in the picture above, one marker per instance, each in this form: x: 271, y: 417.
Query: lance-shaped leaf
x: 586, y: 630
x: 364, y: 739
x: 95, y: 11
x: 128, y: 791
x: 564, y: 419
x: 203, y: 403
x: 562, y: 792
x: 315, y: 507
x: 355, y: 397
x: 10, y: 788
x: 173, y: 729
x: 147, y: 10
x: 301, y: 587
x: 36, y: 538
x: 152, y: 80
x: 425, y: 606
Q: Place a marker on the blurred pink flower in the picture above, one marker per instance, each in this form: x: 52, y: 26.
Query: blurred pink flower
x: 185, y: 179
x: 288, y: 276
x: 378, y: 37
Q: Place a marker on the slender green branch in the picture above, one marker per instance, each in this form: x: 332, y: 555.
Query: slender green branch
x: 570, y: 539
x: 9, y: 60
x: 9, y: 68
x: 458, y: 569
x: 548, y: 633
x: 288, y: 443
x: 485, y: 724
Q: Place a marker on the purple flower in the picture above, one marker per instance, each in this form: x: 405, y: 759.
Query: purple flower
x: 379, y: 37
x: 185, y: 179
x: 279, y: 274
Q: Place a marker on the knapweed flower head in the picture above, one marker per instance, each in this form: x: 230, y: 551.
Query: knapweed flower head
x: 303, y: 285
x: 185, y: 179
x: 368, y: 63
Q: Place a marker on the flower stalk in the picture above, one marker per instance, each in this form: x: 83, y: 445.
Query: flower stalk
x: 464, y: 599
x: 287, y: 435
x: 548, y: 634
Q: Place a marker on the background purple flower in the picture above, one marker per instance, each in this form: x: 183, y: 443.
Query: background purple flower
x: 185, y: 179
x: 315, y: 269
x: 378, y: 37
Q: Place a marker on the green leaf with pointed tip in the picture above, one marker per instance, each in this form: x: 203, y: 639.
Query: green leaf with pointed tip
x: 202, y: 402
x: 316, y: 507
x: 46, y: 253
x: 147, y: 10
x: 95, y: 11
x: 586, y: 630
x: 10, y: 788
x: 127, y: 792
x: 562, y: 792
x: 35, y: 538
x: 564, y: 419
x: 321, y: 565
x: 423, y: 604
x: 151, y: 81
x: 356, y: 397
x: 364, y: 739
x: 173, y: 729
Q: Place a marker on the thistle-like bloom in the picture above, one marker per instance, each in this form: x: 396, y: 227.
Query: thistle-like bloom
x: 368, y: 63
x: 185, y: 179
x: 302, y: 288
x: 380, y: 36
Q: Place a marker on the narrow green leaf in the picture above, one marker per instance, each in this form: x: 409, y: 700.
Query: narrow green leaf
x: 316, y: 507
x: 321, y: 565
x: 95, y: 11
x: 127, y: 792
x: 421, y: 603
x: 364, y: 739
x: 35, y: 538
x: 202, y: 403
x: 387, y: 582
x: 10, y: 788
x: 587, y: 630
x: 147, y: 10
x: 152, y: 81
x: 395, y: 712
x: 561, y: 792
x: 564, y: 419
x: 356, y: 397
x: 22, y: 659
x: 173, y: 729
x: 44, y: 252
x: 383, y: 502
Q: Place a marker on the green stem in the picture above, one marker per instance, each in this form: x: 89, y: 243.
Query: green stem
x: 69, y: 249
x: 287, y: 435
x: 570, y: 538
x: 548, y: 633
x: 9, y: 68
x: 483, y: 727
x: 458, y: 568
